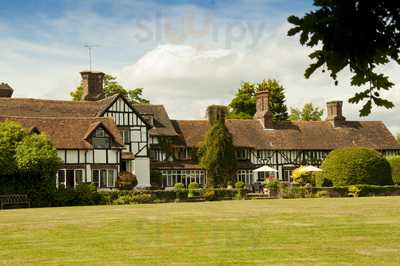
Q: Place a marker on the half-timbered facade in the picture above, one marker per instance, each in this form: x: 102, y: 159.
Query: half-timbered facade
x: 100, y: 165
x: 281, y: 145
x: 100, y: 136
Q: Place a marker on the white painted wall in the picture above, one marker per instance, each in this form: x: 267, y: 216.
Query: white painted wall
x: 142, y: 171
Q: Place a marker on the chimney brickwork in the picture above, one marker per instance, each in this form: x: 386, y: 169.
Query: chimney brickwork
x: 92, y: 83
x: 335, y: 113
x: 5, y: 90
x: 262, y: 109
x: 215, y: 114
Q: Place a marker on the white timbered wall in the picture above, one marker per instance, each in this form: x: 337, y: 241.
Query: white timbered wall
x: 125, y: 117
x: 89, y: 160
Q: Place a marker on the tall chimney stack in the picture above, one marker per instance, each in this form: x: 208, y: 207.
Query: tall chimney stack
x: 92, y: 83
x: 262, y: 109
x: 215, y: 114
x: 5, y: 90
x: 335, y: 113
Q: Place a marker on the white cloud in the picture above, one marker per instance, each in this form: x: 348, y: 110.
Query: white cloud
x: 187, y: 79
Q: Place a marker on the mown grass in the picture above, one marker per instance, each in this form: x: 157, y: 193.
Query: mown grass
x: 363, y: 231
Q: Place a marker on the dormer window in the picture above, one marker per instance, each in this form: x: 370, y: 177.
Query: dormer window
x: 100, y: 139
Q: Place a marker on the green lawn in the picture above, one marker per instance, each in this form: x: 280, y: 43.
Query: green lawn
x: 364, y: 231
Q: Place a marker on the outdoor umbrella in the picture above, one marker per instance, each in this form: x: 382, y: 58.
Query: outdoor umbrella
x: 264, y: 169
x: 310, y: 169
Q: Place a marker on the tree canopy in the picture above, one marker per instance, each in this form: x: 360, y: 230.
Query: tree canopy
x: 28, y: 163
x: 308, y: 113
x: 243, y: 105
x: 361, y: 35
x: 111, y: 86
x: 11, y: 133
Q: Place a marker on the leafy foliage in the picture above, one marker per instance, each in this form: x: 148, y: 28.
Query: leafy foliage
x: 217, y: 155
x: 111, y: 87
x: 29, y: 164
x: 277, y: 99
x: 394, y: 162
x: 308, y: 113
x: 243, y: 105
x: 353, y: 166
x: 359, y: 34
x: 11, y: 133
x: 301, y: 177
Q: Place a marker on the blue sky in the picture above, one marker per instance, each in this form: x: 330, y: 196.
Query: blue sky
x: 185, y: 54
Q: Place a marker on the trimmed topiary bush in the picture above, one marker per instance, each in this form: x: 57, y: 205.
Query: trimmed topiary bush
x: 353, y: 166
x: 394, y: 162
x: 193, y: 189
x: 126, y: 180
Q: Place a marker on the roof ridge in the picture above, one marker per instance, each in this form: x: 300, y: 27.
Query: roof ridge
x: 58, y: 118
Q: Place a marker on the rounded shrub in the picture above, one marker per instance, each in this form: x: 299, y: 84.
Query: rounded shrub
x: 193, y: 189
x: 354, y: 165
x: 179, y: 186
x: 209, y: 195
x: 394, y: 162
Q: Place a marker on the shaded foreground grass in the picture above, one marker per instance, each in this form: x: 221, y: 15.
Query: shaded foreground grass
x: 363, y: 231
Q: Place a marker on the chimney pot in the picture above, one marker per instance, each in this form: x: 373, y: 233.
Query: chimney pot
x: 92, y: 83
x: 335, y: 113
x: 262, y: 109
x: 5, y: 90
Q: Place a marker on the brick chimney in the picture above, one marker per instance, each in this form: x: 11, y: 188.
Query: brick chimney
x: 335, y: 115
x: 5, y: 90
x: 215, y: 114
x: 92, y: 83
x: 262, y: 109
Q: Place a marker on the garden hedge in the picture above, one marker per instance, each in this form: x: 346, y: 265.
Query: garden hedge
x: 394, y: 162
x: 353, y: 166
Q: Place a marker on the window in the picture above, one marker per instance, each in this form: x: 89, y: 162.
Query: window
x: 242, y: 154
x: 61, y: 178
x: 79, y: 176
x: 171, y: 177
x: 110, y: 179
x: 100, y: 139
x: 246, y: 176
x: 126, y: 135
x: 95, y: 177
x: 104, y: 178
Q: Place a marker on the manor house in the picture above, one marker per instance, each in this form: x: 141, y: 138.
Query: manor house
x: 99, y: 137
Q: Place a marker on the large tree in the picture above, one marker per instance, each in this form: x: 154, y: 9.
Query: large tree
x: 243, y: 105
x: 360, y: 35
x: 217, y: 155
x: 11, y: 133
x: 28, y: 163
x: 308, y: 113
x: 112, y: 86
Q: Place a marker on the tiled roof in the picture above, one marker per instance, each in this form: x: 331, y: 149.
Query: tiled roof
x: 68, y: 132
x: 299, y: 135
x: 162, y: 122
x: 53, y: 108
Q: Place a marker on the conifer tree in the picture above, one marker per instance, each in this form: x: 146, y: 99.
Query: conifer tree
x: 217, y: 154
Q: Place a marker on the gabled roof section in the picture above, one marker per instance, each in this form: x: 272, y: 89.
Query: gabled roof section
x: 127, y: 102
x: 299, y: 135
x: 69, y: 132
x: 162, y: 123
x: 53, y: 108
